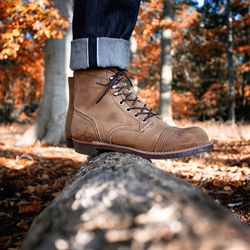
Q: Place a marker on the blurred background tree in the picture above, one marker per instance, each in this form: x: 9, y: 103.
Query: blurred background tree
x: 50, y: 119
x: 189, y: 58
x: 34, y: 53
x: 24, y: 28
x: 201, y: 64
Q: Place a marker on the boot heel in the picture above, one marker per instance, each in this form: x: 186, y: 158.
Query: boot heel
x: 69, y: 143
x: 85, y: 149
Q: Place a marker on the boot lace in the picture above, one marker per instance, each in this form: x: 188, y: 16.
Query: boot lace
x: 124, y: 88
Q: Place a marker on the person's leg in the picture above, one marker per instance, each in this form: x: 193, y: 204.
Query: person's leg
x: 101, y: 32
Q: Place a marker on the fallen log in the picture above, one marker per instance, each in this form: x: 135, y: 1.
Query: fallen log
x: 121, y: 201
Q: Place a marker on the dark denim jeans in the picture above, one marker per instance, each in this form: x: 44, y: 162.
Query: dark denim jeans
x: 101, y: 32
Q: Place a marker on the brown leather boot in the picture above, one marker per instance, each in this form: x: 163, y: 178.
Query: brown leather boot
x: 68, y: 136
x: 108, y: 117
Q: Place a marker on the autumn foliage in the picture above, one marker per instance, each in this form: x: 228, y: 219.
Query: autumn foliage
x: 199, y: 57
x: 24, y: 28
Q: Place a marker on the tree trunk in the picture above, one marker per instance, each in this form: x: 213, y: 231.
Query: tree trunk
x: 133, y: 51
x: 230, y: 67
x: 50, y: 121
x: 166, y: 65
x: 245, y: 82
x: 121, y: 201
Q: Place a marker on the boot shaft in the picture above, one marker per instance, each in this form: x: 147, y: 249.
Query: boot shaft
x: 70, y: 112
x: 86, y: 87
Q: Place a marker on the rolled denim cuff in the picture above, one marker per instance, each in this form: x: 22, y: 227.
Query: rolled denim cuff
x: 99, y: 52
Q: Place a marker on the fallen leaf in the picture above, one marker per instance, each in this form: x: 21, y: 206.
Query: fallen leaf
x: 227, y: 188
x: 29, y: 207
x: 23, y: 224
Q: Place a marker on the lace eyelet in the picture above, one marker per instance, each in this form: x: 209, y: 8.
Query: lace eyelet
x: 111, y: 78
x: 136, y: 115
x: 144, y: 120
x: 121, y: 102
x: 128, y: 109
x: 115, y: 94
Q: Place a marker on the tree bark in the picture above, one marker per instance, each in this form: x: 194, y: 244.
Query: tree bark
x: 121, y: 201
x: 166, y: 65
x: 230, y: 67
x: 133, y: 51
x: 50, y: 121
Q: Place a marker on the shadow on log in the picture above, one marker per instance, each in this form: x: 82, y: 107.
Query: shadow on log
x: 121, y: 201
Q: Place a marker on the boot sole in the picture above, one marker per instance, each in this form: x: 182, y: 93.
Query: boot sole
x: 90, y: 148
x: 69, y: 143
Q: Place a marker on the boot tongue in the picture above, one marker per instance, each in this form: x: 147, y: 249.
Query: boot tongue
x: 126, y: 91
x: 111, y: 71
x: 138, y: 103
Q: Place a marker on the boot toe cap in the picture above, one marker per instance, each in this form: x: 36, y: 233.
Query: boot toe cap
x: 175, y: 139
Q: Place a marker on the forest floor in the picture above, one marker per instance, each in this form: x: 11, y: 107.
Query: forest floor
x: 30, y: 177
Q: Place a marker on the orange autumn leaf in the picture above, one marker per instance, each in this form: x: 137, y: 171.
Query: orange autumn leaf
x: 25, y: 27
x: 29, y: 207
